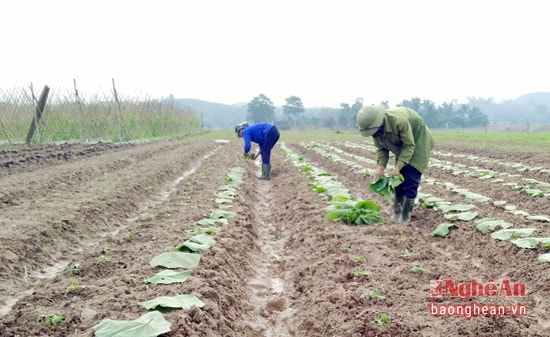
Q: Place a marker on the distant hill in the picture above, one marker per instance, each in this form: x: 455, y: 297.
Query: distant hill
x: 534, y: 99
x: 215, y: 115
x: 533, y: 108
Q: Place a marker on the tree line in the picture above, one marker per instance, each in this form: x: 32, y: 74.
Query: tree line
x: 451, y: 115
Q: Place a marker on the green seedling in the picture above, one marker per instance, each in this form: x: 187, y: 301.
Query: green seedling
x: 357, y: 272
x: 52, y: 319
x: 382, y: 320
x: 74, y: 286
x: 154, y: 217
x: 130, y: 236
x: 278, y: 235
x: 406, y: 253
x: 106, y: 253
x: 417, y: 269
x: 376, y: 294
x: 402, y: 238
x: 347, y: 248
x: 75, y: 268
x: 359, y: 258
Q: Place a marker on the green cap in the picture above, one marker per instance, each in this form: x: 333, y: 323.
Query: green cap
x: 369, y: 119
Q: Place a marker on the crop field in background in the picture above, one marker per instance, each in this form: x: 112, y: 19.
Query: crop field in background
x: 82, y: 118
x: 178, y: 238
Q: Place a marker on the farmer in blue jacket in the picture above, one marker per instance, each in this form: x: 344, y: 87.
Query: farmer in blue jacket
x: 266, y: 136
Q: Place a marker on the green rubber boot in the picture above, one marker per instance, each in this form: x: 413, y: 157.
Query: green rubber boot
x: 407, y: 209
x: 266, y: 172
x: 398, y: 207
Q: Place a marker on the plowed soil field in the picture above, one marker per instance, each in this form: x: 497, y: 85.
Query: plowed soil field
x: 96, y: 215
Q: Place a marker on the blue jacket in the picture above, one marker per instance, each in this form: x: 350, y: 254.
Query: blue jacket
x: 255, y: 133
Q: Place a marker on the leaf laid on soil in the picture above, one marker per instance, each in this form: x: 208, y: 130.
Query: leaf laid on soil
x: 463, y: 216
x: 151, y: 324
x: 218, y: 214
x: 541, y: 218
x: 197, y: 243
x: 443, y: 229
x: 431, y: 201
x: 544, y: 257
x: 169, y: 276
x: 176, y: 260
x: 530, y: 243
x: 456, y: 208
x: 533, y: 192
x: 507, y: 234
x: 519, y: 212
x: 184, y: 302
x: 489, y: 224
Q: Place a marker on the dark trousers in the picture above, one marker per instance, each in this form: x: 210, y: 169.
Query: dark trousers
x: 409, y: 186
x: 270, y: 140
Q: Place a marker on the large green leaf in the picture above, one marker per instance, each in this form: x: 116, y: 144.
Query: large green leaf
x: 463, y: 216
x: 431, y: 201
x: 184, y: 302
x: 531, y: 243
x: 211, y: 222
x: 176, y: 260
x: 512, y: 233
x: 151, y: 324
x: 544, y: 257
x: 489, y: 224
x: 219, y: 214
x: 456, y: 208
x: 197, y: 243
x: 443, y: 229
x: 169, y: 276
x: 541, y: 218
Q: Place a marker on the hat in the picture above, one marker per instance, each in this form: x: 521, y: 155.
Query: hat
x: 369, y: 119
x: 240, y: 126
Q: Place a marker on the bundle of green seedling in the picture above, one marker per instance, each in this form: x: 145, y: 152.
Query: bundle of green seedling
x: 385, y: 185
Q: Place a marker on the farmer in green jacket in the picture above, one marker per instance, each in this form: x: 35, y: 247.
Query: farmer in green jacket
x: 403, y: 132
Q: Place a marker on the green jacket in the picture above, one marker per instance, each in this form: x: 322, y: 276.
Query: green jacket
x: 407, y: 136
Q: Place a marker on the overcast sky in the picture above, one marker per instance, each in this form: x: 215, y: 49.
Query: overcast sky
x: 325, y: 52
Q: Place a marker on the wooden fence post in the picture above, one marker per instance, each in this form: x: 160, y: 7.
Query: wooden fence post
x: 38, y: 113
x: 118, y: 112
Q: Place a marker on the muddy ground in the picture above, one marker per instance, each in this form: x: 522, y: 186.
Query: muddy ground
x: 279, y: 268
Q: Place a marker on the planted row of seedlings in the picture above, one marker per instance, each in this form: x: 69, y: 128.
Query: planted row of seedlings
x: 341, y: 204
x: 519, y: 167
x: 531, y: 187
x: 521, y: 237
x: 178, y: 265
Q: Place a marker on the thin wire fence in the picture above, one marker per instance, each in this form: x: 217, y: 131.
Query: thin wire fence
x: 74, y: 116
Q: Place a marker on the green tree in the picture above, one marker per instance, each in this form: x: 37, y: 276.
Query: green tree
x: 429, y: 113
x: 348, y: 114
x: 477, y: 118
x: 261, y: 109
x: 415, y: 103
x: 293, y: 108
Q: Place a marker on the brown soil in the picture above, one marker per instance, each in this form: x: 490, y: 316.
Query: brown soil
x: 280, y: 268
